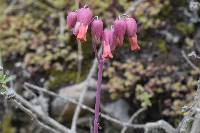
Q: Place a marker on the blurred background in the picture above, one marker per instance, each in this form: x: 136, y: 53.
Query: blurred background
x: 37, y: 47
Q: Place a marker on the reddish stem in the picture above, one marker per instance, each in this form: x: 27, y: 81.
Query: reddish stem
x: 98, y: 94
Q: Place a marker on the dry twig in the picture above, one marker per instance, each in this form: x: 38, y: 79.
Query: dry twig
x: 189, y: 62
x: 78, y: 108
x: 132, y: 118
x: 39, y: 115
x: 18, y: 101
x: 159, y: 124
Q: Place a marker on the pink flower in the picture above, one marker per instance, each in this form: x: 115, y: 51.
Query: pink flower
x: 97, y: 30
x: 131, y: 30
x: 134, y: 43
x: 71, y: 19
x: 107, y: 43
x: 84, y: 17
x: 119, y: 31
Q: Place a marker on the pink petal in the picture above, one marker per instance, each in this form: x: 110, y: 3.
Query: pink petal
x: 106, y: 51
x: 71, y: 19
x: 131, y: 26
x: 134, y: 43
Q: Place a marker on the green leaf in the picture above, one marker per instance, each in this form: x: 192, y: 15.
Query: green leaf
x: 2, y: 78
x: 143, y: 96
x: 9, y: 78
x: 3, y: 89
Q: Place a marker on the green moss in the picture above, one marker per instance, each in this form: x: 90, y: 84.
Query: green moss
x: 183, y: 3
x: 184, y: 28
x: 161, y: 45
x: 61, y: 78
x: 165, y: 12
x: 143, y: 96
x: 60, y: 4
x: 6, y: 125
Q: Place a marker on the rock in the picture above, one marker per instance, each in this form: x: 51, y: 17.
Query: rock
x: 118, y: 109
x: 59, y: 106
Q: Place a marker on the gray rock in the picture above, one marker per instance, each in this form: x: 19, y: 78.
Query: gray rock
x: 118, y: 109
x: 65, y: 108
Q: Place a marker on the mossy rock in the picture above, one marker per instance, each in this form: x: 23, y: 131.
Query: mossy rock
x: 60, y: 78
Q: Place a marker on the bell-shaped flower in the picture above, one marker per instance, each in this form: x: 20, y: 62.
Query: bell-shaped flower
x: 107, y: 43
x: 71, y: 19
x: 131, y: 31
x: 84, y: 18
x: 119, y: 27
x: 97, y: 30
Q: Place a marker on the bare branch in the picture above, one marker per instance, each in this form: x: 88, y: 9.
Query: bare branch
x: 189, y: 62
x: 160, y: 124
x: 79, y: 60
x: 195, y: 126
x: 78, y: 108
x: 62, y: 27
x: 133, y: 6
x: 132, y: 118
x: 111, y: 119
x: 193, y: 110
x: 41, y: 116
x: 31, y: 114
x: 193, y: 54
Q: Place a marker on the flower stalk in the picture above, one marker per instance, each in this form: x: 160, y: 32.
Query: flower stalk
x: 100, y: 61
x: 98, y: 95
x: 81, y: 20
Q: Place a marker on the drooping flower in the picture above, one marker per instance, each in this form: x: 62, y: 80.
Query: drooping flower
x: 84, y: 17
x: 112, y: 39
x: 119, y: 27
x: 71, y: 19
x: 97, y: 30
x: 107, y: 43
x: 131, y: 31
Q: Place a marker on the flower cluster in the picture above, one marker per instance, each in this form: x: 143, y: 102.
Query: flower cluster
x: 113, y: 37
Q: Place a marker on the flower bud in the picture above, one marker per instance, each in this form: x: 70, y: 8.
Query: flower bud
x: 107, y: 43
x: 131, y: 31
x: 84, y: 17
x: 97, y: 30
x: 131, y: 26
x: 119, y: 31
x: 134, y: 43
x: 71, y: 19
